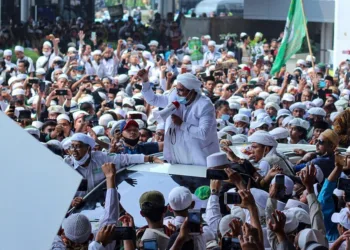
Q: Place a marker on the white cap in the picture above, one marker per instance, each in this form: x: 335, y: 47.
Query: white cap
x: 288, y: 183
x: 318, y: 102
x: 224, y: 225
x: 99, y: 130
x: 104, y: 119
x: 258, y: 34
x: 286, y: 120
x: 72, y: 49
x: 279, y: 133
x: 18, y: 92
x: 129, y: 101
x: 96, y: 52
x: 86, y: 99
x: 211, y: 43
x: 40, y: 71
x: 297, y: 105
x: 17, y: 85
x: 308, y: 236
x: 243, y: 34
x: 317, y: 111
x: 7, y: 52
x: 66, y: 143
x: 342, y: 218
x: 234, y: 105
x: 32, y: 130
x: 77, y: 228
x: 153, y: 43
x: 62, y: 76
x: 208, y: 37
x: 263, y: 138
x: 291, y: 222
x: 116, y: 127
x: 84, y: 139
x: 19, y: 48
x: 217, y: 159
x: 122, y: 78
x: 22, y: 77
x: 63, y: 117
x: 301, y: 62
x: 56, y: 109
x: 240, y: 138
x: 273, y: 98
x: 78, y: 114
x: 309, y: 58
x: 37, y: 124
x: 180, y: 198
x: 288, y: 97
x: 241, y: 118
x: 273, y: 105
x: 283, y: 112
x: 47, y: 43
x: 291, y: 203
x: 298, y: 122
x: 334, y: 115
x: 245, y: 111
x: 233, y: 129
x: 264, y: 95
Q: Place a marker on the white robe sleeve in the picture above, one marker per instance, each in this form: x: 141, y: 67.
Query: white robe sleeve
x: 153, y: 99
x: 264, y: 168
x: 123, y: 160
x: 95, y: 246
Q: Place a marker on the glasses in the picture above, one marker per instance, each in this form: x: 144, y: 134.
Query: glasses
x: 160, y: 134
x: 181, y: 90
x: 320, y: 142
x: 76, y: 147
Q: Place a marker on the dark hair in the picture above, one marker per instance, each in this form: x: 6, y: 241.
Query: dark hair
x: 153, y: 214
x: 220, y: 103
x: 25, y: 62
x: 257, y: 99
x: 48, y: 123
x: 244, y: 38
x: 149, y: 132
x: 303, y: 131
x: 86, y: 106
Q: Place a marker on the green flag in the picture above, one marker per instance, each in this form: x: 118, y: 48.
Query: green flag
x: 294, y: 32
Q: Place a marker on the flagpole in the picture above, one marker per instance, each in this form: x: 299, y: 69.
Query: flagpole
x: 307, y: 35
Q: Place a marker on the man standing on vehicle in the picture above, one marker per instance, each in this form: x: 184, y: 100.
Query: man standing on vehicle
x: 190, y: 132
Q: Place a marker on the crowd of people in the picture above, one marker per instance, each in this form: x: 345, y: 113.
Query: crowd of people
x: 102, y: 107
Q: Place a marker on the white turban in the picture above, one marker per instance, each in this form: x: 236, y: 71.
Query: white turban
x: 189, y: 81
x: 7, y: 52
x: 263, y: 138
x: 47, y: 44
x: 211, y: 43
x: 84, y: 139
x: 19, y: 48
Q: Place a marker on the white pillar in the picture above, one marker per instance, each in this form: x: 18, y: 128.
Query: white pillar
x: 326, y: 42
x: 25, y: 5
x: 341, y: 32
x: 166, y: 6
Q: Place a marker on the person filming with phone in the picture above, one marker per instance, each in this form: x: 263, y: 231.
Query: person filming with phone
x: 191, y: 131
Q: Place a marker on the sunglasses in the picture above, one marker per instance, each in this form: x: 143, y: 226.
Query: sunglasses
x: 320, y: 142
x: 181, y: 90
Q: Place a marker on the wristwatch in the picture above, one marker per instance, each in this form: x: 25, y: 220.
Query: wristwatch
x: 214, y: 192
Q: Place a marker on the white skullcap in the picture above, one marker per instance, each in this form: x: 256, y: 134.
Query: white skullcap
x: 55, y: 143
x: 263, y: 138
x: 78, y: 114
x: 211, y: 43
x: 318, y: 102
x: 7, y: 52
x: 232, y: 128
x: 47, y: 44
x: 342, y: 218
x: 18, y: 92
x: 72, y: 49
x: 217, y: 159
x: 273, y: 98
x: 189, y: 81
x: 291, y: 222
x: 291, y: 203
x: 140, y: 123
x: 308, y: 236
x: 234, y: 105
x: 301, y: 62
x: 122, y: 78
x: 56, y: 109
x: 317, y: 111
x: 263, y: 95
x: 208, y: 37
x: 84, y: 139
x: 180, y: 198
x: 63, y: 117
x: 273, y: 105
x: 86, y: 99
x: 99, y: 130
x: 120, y: 112
x: 224, y: 225
x: 279, y: 133
x: 32, y: 130
x: 288, y: 97
x: 96, y: 52
x: 66, y: 143
x: 17, y: 85
x: 37, y: 124
x: 22, y: 77
x: 40, y: 71
x: 230, y: 53
x: 286, y: 120
x: 146, y: 54
x: 241, y: 118
x: 283, y: 112
x: 298, y: 122
x: 19, y: 48
x: 297, y: 105
x: 240, y: 138
x: 62, y: 76
x: 12, y: 80
x: 288, y: 183
x: 104, y: 119
x: 77, y: 228
x: 245, y: 111
x: 243, y: 34
x: 309, y: 104
x: 333, y: 116
x: 261, y: 120
x: 160, y: 126
x: 186, y: 58
x: 258, y: 34
x: 309, y: 58
x: 116, y: 127
x: 153, y: 43
x: 129, y: 101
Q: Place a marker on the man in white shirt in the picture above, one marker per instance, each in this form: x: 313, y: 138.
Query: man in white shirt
x: 19, y: 51
x: 45, y: 61
x: 211, y: 56
x: 99, y: 68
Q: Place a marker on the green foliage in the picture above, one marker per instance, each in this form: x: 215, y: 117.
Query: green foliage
x: 27, y: 52
x: 305, y: 48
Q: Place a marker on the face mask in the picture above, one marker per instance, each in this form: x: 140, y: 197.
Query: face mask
x: 46, y: 53
x: 127, y: 109
x: 82, y: 161
x: 131, y: 142
x: 182, y: 99
x: 225, y: 117
x: 78, y: 76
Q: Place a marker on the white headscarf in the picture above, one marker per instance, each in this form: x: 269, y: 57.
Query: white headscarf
x: 264, y: 138
x: 189, y: 81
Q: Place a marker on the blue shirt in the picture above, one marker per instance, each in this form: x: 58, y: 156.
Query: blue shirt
x: 325, y: 163
x: 146, y: 148
x: 327, y: 204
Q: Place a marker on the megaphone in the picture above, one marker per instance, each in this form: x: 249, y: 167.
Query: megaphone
x: 162, y: 115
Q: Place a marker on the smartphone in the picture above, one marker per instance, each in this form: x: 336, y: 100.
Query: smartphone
x: 322, y: 84
x: 123, y: 233
x: 226, y: 243
x: 74, y: 57
x: 33, y: 81
x: 280, y: 184
x: 42, y: 86
x: 83, y: 185
x: 236, y: 245
x: 218, y: 73
x: 93, y: 35
x: 194, y: 221
x: 216, y: 174
x: 150, y: 244
x: 341, y: 159
x: 232, y: 198
x: 92, y: 77
x: 344, y: 184
x: 61, y: 92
